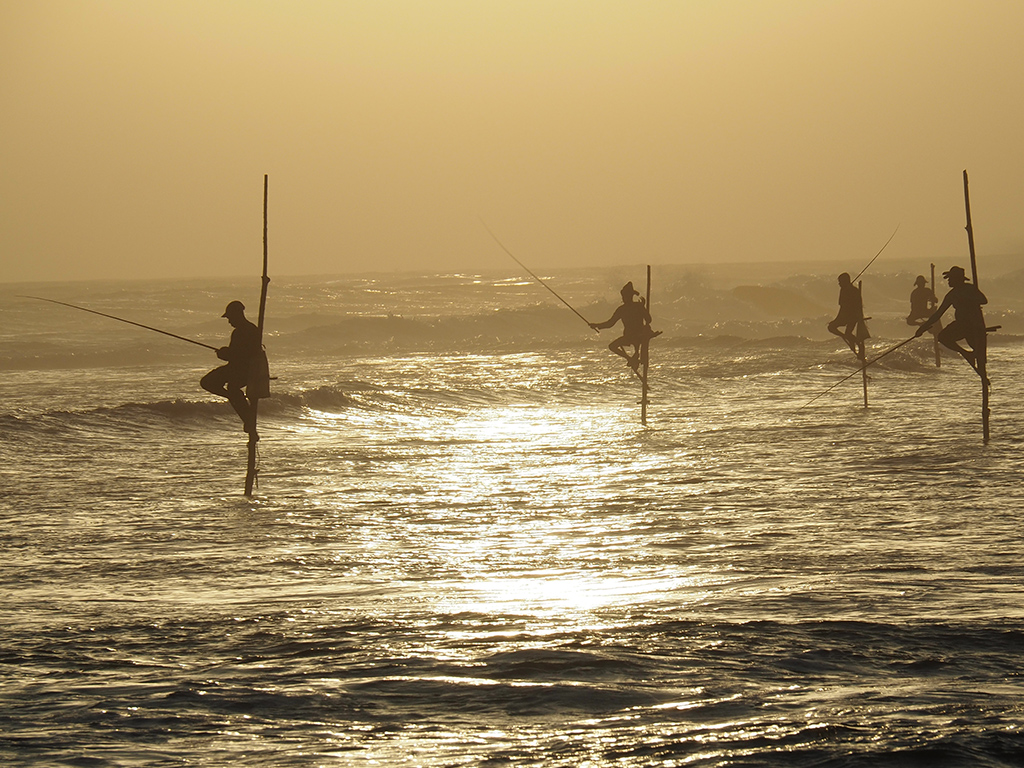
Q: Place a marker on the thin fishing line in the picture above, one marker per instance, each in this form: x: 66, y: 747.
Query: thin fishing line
x: 535, y: 277
x: 121, y: 319
x: 877, y: 254
x: 861, y: 368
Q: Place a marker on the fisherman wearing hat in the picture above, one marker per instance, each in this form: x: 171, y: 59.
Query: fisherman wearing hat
x: 968, y: 321
x: 229, y: 380
x: 922, y: 303
x: 636, y: 326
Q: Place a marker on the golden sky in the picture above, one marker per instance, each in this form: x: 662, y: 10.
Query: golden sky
x: 135, y: 133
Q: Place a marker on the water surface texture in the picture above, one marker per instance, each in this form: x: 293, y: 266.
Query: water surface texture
x: 465, y: 550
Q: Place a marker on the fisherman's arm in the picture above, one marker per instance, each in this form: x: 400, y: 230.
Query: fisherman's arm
x: 609, y: 322
x: 227, y: 353
x: 243, y: 345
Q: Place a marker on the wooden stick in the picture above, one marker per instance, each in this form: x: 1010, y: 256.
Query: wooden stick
x: 980, y: 356
x: 250, y: 472
x: 861, y: 351
x: 645, y: 357
x: 970, y: 232
x: 938, y: 347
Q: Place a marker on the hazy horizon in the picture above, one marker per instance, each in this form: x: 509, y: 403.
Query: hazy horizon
x: 598, y: 134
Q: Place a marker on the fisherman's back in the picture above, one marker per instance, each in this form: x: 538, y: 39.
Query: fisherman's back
x: 244, y: 344
x: 634, y: 317
x: 922, y: 302
x: 850, y: 305
x: 967, y: 301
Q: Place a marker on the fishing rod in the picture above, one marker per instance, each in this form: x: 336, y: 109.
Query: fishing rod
x: 121, y: 319
x: 877, y: 254
x: 534, y: 276
x: 862, y: 368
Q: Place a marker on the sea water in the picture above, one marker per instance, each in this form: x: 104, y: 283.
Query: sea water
x: 466, y: 550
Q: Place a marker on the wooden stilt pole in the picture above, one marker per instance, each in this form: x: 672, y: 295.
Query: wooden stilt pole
x: 250, y: 473
x: 644, y: 358
x: 863, y: 369
x: 861, y: 351
x: 935, y: 336
x: 980, y: 355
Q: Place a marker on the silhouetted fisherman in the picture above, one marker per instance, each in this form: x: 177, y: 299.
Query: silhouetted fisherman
x: 229, y: 380
x: 922, y: 304
x: 851, y: 314
x: 968, y: 320
x: 636, y: 326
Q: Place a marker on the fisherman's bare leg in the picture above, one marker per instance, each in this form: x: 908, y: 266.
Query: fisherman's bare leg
x: 619, y: 348
x: 976, y: 356
x: 846, y: 334
x: 220, y: 382
x: 242, y: 407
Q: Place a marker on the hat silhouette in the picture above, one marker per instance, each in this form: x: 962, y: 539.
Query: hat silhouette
x: 234, y: 308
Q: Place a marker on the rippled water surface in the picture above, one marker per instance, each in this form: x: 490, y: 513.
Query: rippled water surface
x: 481, y: 557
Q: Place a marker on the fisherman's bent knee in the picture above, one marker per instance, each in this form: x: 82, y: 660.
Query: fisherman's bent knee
x: 212, y: 383
x: 949, y: 336
x: 221, y: 381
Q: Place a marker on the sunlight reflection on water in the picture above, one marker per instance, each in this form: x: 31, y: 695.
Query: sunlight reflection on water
x: 567, y: 594
x: 459, y: 568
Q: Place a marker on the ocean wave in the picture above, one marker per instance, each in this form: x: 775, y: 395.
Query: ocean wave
x: 179, y: 411
x: 535, y: 329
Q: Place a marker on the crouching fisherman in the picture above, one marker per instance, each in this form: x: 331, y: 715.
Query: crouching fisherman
x: 851, y: 315
x: 968, y: 320
x: 636, y: 326
x: 922, y: 304
x: 246, y: 369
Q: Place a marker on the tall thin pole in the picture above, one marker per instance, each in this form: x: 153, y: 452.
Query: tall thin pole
x: 861, y: 351
x: 935, y: 336
x: 970, y: 231
x: 980, y: 355
x: 645, y: 357
x: 250, y: 472
x: 266, y: 280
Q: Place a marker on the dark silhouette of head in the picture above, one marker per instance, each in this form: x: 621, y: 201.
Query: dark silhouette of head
x: 955, y: 275
x: 844, y: 279
x: 235, y: 312
x: 920, y: 280
x: 628, y: 291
